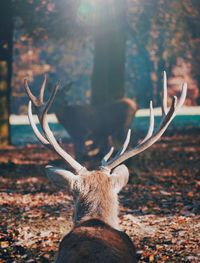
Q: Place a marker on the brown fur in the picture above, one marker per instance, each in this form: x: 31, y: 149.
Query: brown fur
x: 96, y: 236
x: 94, y: 241
x: 96, y: 199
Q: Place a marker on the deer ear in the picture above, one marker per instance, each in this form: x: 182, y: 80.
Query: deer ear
x: 61, y: 177
x: 119, y: 177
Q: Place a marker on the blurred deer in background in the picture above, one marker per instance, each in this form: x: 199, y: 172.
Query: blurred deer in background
x: 97, y: 125
x: 96, y: 236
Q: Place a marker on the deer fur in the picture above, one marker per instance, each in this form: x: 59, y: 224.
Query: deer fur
x: 93, y: 242
x: 96, y: 236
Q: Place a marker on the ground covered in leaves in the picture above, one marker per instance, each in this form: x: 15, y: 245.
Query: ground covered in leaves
x: 159, y: 208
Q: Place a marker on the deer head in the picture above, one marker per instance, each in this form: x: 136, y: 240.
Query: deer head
x: 96, y: 192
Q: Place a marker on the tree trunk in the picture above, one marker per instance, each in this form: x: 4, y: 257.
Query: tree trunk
x: 6, y: 38
x: 109, y: 52
x: 142, y: 82
x: 159, y: 69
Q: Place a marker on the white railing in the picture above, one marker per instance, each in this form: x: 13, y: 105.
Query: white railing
x: 23, y: 119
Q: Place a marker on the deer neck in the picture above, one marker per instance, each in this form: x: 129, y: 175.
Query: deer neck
x: 104, y: 210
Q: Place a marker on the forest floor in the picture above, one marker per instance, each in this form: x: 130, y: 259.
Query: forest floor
x: 159, y: 208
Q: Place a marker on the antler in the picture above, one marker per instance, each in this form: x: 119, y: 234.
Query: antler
x: 48, y: 139
x: 151, y: 137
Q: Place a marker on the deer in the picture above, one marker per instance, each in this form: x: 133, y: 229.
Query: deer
x: 96, y: 235
x: 96, y: 124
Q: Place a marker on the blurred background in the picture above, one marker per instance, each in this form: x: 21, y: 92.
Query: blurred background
x: 101, y: 52
x: 109, y: 56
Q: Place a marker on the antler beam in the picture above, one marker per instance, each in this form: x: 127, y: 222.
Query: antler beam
x: 42, y: 109
x: 151, y: 137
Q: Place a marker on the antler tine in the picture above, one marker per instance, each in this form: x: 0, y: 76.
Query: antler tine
x: 37, y: 101
x: 124, y: 147
x: 126, y: 142
x: 170, y: 114
x: 33, y: 98
x: 37, y: 133
x: 48, y: 104
x: 177, y: 103
x: 107, y: 157
x: 42, y: 89
x: 151, y: 124
x: 151, y: 137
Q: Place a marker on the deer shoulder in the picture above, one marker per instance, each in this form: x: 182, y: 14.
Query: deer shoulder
x: 95, y: 241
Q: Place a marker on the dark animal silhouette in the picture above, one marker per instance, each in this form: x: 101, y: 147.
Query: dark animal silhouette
x: 101, y: 125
